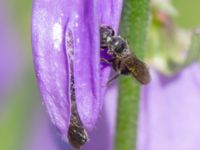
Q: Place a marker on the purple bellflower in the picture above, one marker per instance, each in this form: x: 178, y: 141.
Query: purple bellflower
x: 169, y: 115
x: 169, y: 111
x: 101, y: 137
x: 65, y: 40
x: 169, y: 106
x: 10, y: 64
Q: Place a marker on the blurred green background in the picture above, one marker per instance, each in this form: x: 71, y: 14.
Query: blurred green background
x: 187, y: 13
x: 21, y: 103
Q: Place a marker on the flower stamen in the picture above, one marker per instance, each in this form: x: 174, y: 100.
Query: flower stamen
x: 77, y: 135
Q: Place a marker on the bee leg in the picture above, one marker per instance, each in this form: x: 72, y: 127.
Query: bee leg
x: 113, y: 78
x: 107, y: 61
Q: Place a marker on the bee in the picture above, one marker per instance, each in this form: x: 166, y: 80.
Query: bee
x: 122, y: 61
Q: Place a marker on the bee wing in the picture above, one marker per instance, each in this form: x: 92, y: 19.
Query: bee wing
x: 138, y: 69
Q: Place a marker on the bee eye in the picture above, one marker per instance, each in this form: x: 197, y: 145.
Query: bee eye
x: 106, y: 33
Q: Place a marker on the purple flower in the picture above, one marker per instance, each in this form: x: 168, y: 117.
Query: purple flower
x: 100, y: 138
x: 169, y: 116
x: 169, y: 112
x: 65, y: 39
x: 10, y: 54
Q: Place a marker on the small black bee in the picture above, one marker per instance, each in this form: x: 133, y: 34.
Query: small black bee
x: 123, y: 61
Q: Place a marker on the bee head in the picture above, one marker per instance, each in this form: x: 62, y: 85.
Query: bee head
x: 106, y: 34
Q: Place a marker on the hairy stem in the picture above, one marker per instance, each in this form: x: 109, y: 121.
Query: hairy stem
x: 133, y: 27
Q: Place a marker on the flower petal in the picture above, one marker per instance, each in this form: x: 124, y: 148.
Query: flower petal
x: 90, y: 88
x: 169, y: 113
x: 52, y: 22
x: 85, y: 32
x: 48, y: 21
x: 11, y: 59
x: 110, y: 13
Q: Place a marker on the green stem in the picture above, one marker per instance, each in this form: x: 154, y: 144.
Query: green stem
x: 133, y: 27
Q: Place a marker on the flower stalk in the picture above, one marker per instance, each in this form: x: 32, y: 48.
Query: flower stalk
x: 134, y: 23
